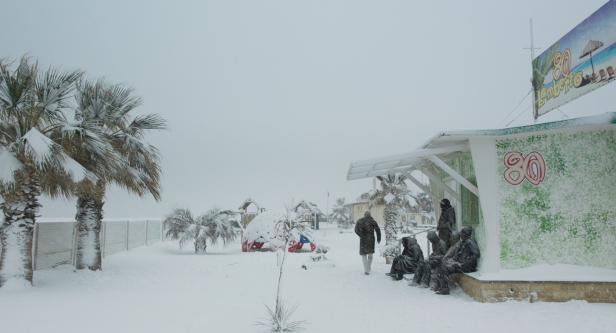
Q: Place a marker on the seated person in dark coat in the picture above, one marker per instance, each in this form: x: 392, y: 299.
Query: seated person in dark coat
x: 464, y: 260
x: 406, y: 262
x: 422, y: 274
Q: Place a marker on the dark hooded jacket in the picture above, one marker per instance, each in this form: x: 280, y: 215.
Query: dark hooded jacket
x: 411, y: 257
x: 365, y: 228
x: 467, y: 255
x: 447, y: 220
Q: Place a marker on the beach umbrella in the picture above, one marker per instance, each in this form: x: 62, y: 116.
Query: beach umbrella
x: 592, y: 46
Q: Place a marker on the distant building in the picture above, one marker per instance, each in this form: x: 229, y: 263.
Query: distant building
x: 308, y: 212
x: 248, y: 210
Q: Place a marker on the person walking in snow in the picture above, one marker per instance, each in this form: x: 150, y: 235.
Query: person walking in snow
x: 446, y: 222
x: 365, y: 228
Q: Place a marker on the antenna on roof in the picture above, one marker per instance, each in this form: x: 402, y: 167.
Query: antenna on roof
x: 532, y: 49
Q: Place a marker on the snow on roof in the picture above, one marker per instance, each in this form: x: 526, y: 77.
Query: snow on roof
x: 454, y: 141
x: 456, y: 137
x: 310, y: 206
x: 247, y: 203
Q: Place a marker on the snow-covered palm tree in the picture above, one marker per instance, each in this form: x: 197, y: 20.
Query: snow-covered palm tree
x: 220, y: 225
x: 395, y: 194
x: 32, y: 110
x: 213, y: 226
x: 124, y: 159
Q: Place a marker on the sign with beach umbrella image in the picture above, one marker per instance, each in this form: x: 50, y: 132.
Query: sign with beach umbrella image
x: 592, y: 46
x: 580, y: 62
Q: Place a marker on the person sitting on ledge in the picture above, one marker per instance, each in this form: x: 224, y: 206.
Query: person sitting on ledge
x: 464, y: 260
x: 407, y: 262
x: 423, y: 272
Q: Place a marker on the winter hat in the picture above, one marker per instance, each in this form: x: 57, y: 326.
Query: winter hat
x: 445, y: 203
x: 466, y: 232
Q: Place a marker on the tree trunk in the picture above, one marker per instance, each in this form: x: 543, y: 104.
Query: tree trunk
x: 16, y: 233
x: 391, y: 221
x: 89, y: 224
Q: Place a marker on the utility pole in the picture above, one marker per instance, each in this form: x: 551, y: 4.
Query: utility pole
x: 327, y: 208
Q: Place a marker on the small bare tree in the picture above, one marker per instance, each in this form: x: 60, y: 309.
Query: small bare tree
x: 279, y: 318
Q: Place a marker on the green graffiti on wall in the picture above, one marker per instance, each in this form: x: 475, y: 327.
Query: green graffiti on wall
x: 570, y: 217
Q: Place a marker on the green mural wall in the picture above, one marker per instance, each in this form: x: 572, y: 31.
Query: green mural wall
x: 569, y: 217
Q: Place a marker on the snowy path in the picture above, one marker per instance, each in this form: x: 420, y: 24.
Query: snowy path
x: 163, y: 289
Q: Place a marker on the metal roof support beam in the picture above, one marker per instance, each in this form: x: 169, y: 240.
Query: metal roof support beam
x: 419, y: 184
x: 396, y: 163
x: 439, y: 182
x: 455, y: 175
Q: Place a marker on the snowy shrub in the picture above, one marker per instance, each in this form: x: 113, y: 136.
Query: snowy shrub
x: 391, y: 250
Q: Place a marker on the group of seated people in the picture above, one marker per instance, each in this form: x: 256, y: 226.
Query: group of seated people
x: 460, y: 257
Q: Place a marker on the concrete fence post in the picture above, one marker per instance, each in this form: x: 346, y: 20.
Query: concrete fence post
x: 127, y: 234
x: 147, y: 223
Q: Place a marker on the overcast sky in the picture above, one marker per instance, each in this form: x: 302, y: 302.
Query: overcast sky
x: 273, y: 99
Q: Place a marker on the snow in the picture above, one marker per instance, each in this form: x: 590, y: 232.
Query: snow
x: 558, y: 272
x: 164, y: 289
x: 261, y: 228
x: 75, y: 170
x: 9, y: 165
x: 38, y: 145
x: 13, y: 270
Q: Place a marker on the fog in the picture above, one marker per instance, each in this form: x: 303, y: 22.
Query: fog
x: 273, y: 99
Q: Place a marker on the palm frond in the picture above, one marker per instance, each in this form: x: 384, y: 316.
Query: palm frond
x: 177, y: 223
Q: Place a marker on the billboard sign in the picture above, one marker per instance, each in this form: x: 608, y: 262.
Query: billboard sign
x: 580, y: 62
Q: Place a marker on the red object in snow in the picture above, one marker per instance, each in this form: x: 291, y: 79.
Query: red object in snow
x: 246, y: 247
x: 295, y: 246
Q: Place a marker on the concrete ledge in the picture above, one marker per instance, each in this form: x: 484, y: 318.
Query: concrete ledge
x: 533, y: 291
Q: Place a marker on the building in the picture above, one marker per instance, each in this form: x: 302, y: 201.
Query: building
x: 248, y: 210
x: 536, y: 195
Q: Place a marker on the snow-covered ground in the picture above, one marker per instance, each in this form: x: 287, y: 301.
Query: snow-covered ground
x: 164, y: 289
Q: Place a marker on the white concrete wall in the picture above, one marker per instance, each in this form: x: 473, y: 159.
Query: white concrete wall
x: 54, y: 241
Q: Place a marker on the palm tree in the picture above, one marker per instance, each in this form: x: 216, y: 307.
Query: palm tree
x: 125, y: 159
x: 32, y: 112
x: 395, y: 194
x: 214, y: 225
x: 220, y: 225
